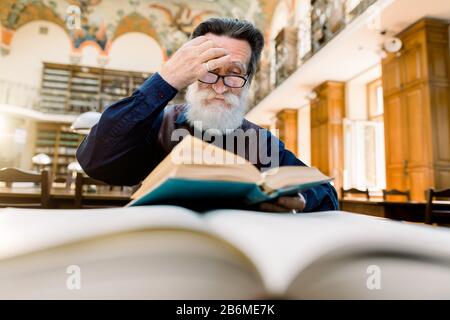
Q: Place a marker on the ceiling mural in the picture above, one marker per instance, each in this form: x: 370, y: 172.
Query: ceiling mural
x: 176, y: 22
x: 100, y: 22
x: 81, y: 3
x: 15, y: 14
x: 135, y: 22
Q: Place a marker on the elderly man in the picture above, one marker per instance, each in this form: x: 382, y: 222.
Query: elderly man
x: 216, y: 66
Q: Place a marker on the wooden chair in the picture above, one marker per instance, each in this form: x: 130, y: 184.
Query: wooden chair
x: 395, y: 192
x: 355, y: 191
x: 432, y: 211
x: 80, y: 199
x: 11, y: 175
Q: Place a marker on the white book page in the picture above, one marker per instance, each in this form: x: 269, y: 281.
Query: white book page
x: 27, y: 230
x: 281, y: 245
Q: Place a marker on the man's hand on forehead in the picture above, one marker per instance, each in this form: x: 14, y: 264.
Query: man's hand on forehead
x: 188, y: 63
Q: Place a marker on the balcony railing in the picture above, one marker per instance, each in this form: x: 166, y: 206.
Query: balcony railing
x: 295, y: 45
x: 19, y: 94
x: 329, y: 17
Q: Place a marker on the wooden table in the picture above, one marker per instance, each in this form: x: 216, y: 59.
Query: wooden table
x: 61, y: 198
x: 413, y: 211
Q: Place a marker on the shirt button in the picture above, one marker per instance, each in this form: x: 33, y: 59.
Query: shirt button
x: 160, y: 94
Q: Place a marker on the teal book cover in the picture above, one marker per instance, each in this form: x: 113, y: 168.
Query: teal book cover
x: 215, y: 193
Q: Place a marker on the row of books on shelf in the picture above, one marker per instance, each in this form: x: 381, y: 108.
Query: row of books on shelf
x: 62, y: 151
x: 46, y: 134
x: 66, y: 160
x: 45, y: 142
x: 67, y: 135
x: 48, y: 142
x: 56, y: 87
x: 52, y: 134
x: 79, y: 106
x: 50, y: 94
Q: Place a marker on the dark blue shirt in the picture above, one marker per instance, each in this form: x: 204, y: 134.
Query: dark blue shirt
x: 121, y: 148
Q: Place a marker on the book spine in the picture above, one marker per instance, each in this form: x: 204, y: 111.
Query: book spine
x: 257, y: 195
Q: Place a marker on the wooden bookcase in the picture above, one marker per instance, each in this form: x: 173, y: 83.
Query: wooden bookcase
x: 287, y: 125
x: 73, y: 89
x: 327, y: 141
x: 285, y: 54
x: 416, y: 110
x: 58, y: 142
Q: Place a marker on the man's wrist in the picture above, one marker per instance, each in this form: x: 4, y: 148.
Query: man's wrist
x: 167, y: 78
x: 157, y: 91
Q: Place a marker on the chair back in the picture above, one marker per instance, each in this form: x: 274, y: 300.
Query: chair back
x: 12, y: 175
x: 435, y: 210
x: 80, y: 200
x: 395, y: 192
x: 354, y: 191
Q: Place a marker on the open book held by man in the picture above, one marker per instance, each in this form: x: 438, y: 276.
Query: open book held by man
x: 196, y: 172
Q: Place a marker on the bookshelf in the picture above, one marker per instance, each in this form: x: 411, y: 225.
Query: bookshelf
x: 73, y: 89
x: 54, y: 89
x: 285, y: 54
x: 59, y: 143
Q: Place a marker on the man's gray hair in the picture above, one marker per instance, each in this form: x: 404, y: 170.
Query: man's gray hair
x: 237, y: 29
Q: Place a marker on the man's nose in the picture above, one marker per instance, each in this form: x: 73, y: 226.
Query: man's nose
x: 219, y: 87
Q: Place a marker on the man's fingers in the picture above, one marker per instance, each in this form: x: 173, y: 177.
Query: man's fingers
x: 219, y: 62
x: 291, y: 203
x: 284, y: 204
x: 272, y: 207
x: 202, y: 47
x: 196, y: 41
x: 213, y: 53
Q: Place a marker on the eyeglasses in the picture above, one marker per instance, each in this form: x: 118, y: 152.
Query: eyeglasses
x: 231, y: 81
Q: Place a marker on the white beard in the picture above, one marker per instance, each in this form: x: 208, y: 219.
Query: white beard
x: 215, y: 116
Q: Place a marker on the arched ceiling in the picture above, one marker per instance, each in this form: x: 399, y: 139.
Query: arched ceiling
x: 169, y: 22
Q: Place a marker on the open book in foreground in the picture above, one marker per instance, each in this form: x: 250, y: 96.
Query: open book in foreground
x: 196, y: 171
x: 167, y: 252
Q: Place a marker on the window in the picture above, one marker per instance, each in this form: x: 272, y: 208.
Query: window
x: 375, y: 102
x: 364, y: 155
x: 364, y: 145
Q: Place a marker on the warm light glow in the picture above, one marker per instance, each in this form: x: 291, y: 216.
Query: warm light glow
x: 3, y: 125
x: 85, y: 122
x: 74, y: 166
x: 41, y: 159
x: 5, y: 141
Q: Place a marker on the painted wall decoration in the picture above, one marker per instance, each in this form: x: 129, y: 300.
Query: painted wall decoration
x: 14, y: 14
x: 183, y: 18
x: 169, y: 22
x: 179, y: 22
x: 135, y: 22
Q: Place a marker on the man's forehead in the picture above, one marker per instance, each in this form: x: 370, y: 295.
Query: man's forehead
x: 239, y: 49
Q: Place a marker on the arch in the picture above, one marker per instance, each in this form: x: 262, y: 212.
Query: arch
x: 32, y: 12
x: 21, y: 66
x: 5, y: 7
x: 135, y: 22
x: 268, y: 8
x: 280, y: 18
x: 147, y: 54
x: 88, y: 43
